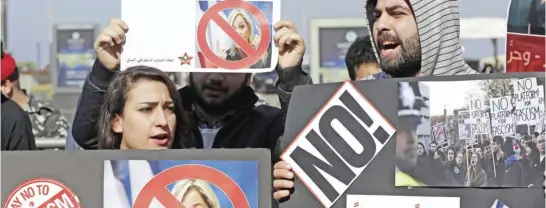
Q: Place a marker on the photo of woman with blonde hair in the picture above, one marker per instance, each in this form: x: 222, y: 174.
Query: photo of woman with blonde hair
x: 243, y: 24
x: 195, y: 193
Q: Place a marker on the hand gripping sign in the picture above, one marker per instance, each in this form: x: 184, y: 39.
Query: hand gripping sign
x: 232, y: 36
x: 338, y: 144
x: 156, y: 187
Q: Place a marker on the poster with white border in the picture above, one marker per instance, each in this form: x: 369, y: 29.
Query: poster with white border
x: 389, y: 201
x: 201, y: 35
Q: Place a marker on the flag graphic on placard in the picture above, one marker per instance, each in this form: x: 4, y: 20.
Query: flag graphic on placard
x: 499, y: 204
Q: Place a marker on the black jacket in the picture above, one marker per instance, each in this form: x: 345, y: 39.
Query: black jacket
x: 535, y: 173
x: 251, y: 126
x: 16, y: 127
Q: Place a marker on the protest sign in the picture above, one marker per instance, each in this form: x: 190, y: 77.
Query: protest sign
x: 377, y: 178
x: 125, y: 179
x: 338, y: 144
x: 167, y: 182
x: 526, y: 96
x: 502, y: 123
x: 439, y: 132
x: 465, y: 128
x: 201, y: 36
x: 42, y: 192
x: 363, y: 201
x: 479, y: 117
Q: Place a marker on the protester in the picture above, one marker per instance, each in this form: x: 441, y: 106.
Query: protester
x: 476, y: 174
x: 535, y: 177
x: 16, y: 127
x: 513, y: 174
x: 537, y: 16
x: 70, y: 144
x: 360, y: 59
x: 222, y: 105
x: 142, y: 110
x: 409, y: 117
x: 398, y: 26
x: 532, y: 165
x: 498, y: 167
x: 458, y: 169
x: 47, y: 121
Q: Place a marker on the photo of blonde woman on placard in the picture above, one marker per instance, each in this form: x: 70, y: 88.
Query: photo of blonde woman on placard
x: 245, y: 24
x: 195, y: 193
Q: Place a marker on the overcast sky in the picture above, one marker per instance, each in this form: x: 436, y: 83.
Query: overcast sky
x: 29, y: 20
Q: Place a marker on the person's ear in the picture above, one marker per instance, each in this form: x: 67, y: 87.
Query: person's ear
x: 117, y: 124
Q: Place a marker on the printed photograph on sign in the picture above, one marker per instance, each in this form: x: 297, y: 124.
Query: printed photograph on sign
x: 484, y: 133
x: 525, y: 38
x: 172, y: 183
x: 199, y: 36
x: 365, y: 201
x: 236, y: 36
x: 338, y: 144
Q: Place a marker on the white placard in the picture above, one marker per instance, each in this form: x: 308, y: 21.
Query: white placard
x: 502, y: 123
x: 386, y: 201
x: 165, y: 34
x: 526, y: 95
x: 479, y: 119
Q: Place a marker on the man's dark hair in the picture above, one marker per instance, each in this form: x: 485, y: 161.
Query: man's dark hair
x: 536, y: 134
x: 360, y: 52
x: 498, y: 140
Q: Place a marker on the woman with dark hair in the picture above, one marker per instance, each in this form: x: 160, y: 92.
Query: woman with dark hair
x: 533, y: 165
x: 142, y: 110
x: 476, y: 176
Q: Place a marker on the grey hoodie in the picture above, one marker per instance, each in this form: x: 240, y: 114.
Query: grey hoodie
x: 438, y: 27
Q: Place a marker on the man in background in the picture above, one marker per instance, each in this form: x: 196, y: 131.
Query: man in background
x: 360, y: 59
x: 47, y: 121
x: 16, y: 127
x: 416, y: 38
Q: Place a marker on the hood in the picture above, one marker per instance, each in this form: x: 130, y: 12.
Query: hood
x: 438, y: 27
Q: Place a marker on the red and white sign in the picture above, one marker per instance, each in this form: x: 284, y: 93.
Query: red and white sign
x: 525, y: 53
x: 42, y: 193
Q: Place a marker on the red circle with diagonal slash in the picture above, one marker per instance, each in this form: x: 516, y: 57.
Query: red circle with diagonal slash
x: 157, y: 186
x: 253, y: 54
x: 42, y: 192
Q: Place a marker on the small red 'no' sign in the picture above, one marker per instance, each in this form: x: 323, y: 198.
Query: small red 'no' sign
x: 253, y: 54
x: 157, y: 187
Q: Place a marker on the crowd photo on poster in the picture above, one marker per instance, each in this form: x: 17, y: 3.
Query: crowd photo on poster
x: 478, y: 133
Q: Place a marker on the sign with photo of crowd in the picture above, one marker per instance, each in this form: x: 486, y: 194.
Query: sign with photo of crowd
x: 328, y: 176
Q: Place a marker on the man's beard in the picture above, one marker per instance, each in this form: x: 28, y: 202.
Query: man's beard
x: 408, y: 63
x: 229, y: 104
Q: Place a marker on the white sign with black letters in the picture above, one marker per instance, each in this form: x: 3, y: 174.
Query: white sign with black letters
x: 338, y: 144
x: 365, y: 201
x: 502, y: 123
x: 526, y: 95
x: 478, y: 117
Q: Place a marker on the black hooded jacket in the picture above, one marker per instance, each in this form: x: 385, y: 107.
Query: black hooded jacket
x: 251, y: 126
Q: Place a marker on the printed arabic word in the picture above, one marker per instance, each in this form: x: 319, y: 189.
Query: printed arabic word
x: 148, y: 60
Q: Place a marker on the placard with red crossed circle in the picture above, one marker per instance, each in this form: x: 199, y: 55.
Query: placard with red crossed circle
x: 42, y: 193
x: 210, y: 60
x: 156, y: 187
